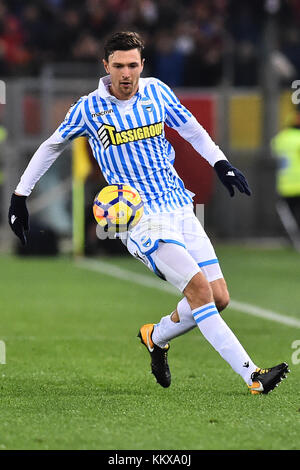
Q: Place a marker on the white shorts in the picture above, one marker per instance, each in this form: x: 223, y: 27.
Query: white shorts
x: 180, y: 228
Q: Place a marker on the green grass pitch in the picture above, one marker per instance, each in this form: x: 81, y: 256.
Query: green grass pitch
x: 77, y: 377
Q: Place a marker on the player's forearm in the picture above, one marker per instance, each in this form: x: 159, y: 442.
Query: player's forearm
x: 41, y: 161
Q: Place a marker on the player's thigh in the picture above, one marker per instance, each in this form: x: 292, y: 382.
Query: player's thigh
x: 177, y: 266
x: 160, y: 246
x: 200, y: 247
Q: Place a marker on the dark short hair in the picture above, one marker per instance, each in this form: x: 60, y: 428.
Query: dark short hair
x: 123, y: 41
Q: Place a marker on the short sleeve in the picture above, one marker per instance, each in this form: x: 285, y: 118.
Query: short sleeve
x: 73, y: 125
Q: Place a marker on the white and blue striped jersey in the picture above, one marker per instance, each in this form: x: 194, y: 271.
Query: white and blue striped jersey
x: 127, y: 138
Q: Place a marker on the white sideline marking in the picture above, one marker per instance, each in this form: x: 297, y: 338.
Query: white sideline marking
x: 147, y: 281
x: 263, y: 313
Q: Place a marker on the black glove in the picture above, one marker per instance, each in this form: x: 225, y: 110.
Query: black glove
x: 18, y: 217
x: 231, y: 177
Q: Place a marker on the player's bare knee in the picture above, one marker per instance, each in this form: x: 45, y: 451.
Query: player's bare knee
x: 222, y: 301
x: 198, y: 291
x: 220, y: 293
x: 175, y: 317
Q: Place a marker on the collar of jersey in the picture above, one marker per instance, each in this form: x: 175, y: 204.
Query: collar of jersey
x: 103, y: 89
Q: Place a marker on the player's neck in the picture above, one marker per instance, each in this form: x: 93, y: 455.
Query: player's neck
x: 122, y: 96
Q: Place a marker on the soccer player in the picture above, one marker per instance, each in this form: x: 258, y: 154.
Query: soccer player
x: 124, y: 121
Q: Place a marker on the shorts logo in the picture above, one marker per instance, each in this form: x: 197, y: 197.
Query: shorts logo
x: 110, y: 136
x: 146, y: 243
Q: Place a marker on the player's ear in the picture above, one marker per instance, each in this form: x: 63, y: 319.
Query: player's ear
x: 105, y: 65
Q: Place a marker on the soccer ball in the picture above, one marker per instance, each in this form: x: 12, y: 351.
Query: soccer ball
x: 118, y: 207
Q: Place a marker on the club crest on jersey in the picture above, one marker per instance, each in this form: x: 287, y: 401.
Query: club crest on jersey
x: 149, y: 108
x: 110, y: 136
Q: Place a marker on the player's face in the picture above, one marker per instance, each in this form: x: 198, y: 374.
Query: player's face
x: 124, y: 68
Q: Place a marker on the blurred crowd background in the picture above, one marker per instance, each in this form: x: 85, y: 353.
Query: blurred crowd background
x: 186, y: 40
x: 234, y: 63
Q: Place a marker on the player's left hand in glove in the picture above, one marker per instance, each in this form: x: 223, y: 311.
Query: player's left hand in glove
x: 18, y: 217
x: 231, y: 177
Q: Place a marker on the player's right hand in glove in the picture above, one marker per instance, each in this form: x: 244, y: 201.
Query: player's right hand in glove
x: 18, y: 217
